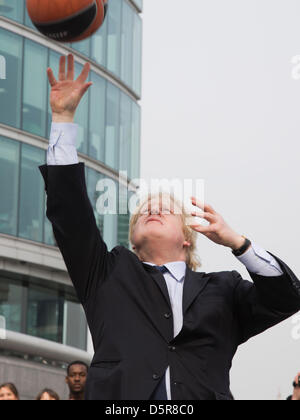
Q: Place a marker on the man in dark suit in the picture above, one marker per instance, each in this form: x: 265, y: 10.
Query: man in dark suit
x: 160, y: 330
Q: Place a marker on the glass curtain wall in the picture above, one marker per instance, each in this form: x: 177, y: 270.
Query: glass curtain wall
x: 116, y: 46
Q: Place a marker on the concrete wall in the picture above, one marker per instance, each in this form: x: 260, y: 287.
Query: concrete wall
x: 30, y: 378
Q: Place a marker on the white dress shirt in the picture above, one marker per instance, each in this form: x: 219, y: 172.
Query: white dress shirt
x: 62, y: 151
x: 62, y: 145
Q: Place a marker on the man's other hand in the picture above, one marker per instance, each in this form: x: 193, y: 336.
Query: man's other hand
x: 218, y: 230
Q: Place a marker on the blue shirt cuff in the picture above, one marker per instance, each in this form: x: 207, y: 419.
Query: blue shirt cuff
x: 257, y: 260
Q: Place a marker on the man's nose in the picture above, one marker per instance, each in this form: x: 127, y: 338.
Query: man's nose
x: 156, y: 211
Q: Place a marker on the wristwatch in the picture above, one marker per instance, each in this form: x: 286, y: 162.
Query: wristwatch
x: 243, y: 248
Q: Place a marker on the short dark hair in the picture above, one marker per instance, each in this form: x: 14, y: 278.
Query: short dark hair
x: 12, y: 388
x: 77, y: 362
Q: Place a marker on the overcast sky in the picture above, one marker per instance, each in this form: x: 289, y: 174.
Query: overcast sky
x: 220, y: 104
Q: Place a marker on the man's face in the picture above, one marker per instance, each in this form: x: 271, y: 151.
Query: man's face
x: 77, y: 379
x: 7, y: 395
x: 159, y: 219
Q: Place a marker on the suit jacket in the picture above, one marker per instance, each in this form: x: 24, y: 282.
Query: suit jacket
x: 130, y: 316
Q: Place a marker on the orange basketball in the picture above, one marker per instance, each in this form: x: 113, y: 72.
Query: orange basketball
x: 67, y: 20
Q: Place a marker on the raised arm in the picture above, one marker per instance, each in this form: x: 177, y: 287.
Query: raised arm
x: 68, y: 206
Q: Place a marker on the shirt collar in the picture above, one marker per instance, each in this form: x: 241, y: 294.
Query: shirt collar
x: 176, y: 268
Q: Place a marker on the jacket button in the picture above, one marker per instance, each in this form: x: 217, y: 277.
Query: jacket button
x: 155, y: 377
x: 168, y: 315
x: 172, y: 348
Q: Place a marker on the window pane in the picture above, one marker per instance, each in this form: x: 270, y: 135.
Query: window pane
x: 10, y: 89
x: 139, y: 4
x: 48, y: 231
x: 11, y: 294
x: 92, y: 179
x: 54, y: 64
x: 112, y: 126
x: 97, y: 118
x: 110, y: 234
x: 99, y: 44
x: 12, y: 9
x: 114, y: 37
x: 9, y: 179
x: 135, y: 147
x: 31, y: 218
x: 81, y: 117
x: 82, y: 46
x: 28, y: 21
x: 75, y: 328
x: 125, y: 133
x: 35, y: 88
x: 123, y: 220
x: 137, y: 55
x: 127, y: 44
x: 45, y: 314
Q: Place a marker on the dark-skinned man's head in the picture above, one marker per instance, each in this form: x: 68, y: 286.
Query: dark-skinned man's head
x: 76, y: 379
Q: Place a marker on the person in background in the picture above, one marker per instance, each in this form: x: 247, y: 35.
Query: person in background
x: 76, y: 380
x: 8, y: 392
x: 296, y: 385
x: 47, y: 395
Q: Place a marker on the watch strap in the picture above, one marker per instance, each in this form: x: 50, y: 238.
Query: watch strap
x: 243, y: 248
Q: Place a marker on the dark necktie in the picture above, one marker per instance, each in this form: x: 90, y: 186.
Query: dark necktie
x: 162, y: 268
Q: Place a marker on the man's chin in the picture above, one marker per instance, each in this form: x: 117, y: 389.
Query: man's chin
x: 78, y: 390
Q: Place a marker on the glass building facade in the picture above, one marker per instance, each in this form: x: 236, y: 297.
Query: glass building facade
x: 109, y: 119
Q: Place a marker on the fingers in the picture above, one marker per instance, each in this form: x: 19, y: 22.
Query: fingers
x: 70, y: 75
x: 203, y: 206
x: 51, y: 77
x: 85, y: 87
x: 207, y: 216
x: 84, y: 74
x: 62, y: 68
x: 71, y: 70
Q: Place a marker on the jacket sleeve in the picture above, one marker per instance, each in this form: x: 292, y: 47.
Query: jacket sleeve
x: 74, y: 226
x: 266, y: 302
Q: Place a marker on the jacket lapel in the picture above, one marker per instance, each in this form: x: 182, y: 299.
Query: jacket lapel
x: 194, y: 284
x: 163, y: 328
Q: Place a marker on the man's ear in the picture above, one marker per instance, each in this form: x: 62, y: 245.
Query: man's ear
x: 186, y: 244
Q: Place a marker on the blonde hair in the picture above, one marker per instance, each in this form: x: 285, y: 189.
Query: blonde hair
x: 192, y: 258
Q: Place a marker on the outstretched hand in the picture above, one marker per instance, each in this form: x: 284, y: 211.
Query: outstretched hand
x: 66, y: 93
x: 218, y: 230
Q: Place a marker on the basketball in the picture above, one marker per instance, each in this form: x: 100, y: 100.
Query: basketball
x: 65, y: 20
